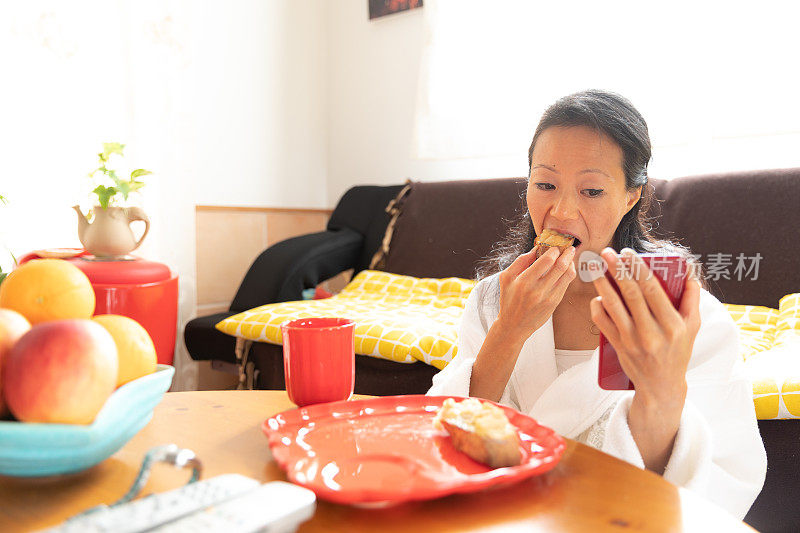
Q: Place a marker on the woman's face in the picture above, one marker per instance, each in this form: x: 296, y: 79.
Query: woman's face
x: 577, y: 186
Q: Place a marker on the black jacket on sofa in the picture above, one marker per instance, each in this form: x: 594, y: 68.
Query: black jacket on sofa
x: 284, y: 270
x: 444, y: 229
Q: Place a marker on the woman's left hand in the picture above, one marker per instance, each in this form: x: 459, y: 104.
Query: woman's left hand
x: 653, y: 341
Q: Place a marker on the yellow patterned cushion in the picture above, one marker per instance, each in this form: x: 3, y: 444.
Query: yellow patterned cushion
x: 399, y: 318
x: 776, y: 382
x: 756, y: 327
x: 771, y: 342
x: 787, y: 329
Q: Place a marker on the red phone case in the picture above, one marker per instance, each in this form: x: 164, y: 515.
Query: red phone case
x: 671, y: 271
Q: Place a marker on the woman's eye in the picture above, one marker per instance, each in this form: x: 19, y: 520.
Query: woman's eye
x: 593, y: 193
x: 545, y: 186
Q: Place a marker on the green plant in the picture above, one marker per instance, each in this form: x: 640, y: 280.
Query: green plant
x: 122, y: 187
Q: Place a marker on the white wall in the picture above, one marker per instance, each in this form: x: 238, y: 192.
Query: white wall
x: 228, y: 98
x: 261, y: 100
x: 374, y: 68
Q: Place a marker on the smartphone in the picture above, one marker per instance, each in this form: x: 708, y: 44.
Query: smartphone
x: 671, y: 271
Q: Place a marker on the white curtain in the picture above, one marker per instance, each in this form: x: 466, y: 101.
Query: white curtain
x: 717, y: 82
x: 75, y: 75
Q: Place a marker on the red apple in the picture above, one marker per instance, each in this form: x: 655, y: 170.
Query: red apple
x: 61, y: 372
x: 12, y: 326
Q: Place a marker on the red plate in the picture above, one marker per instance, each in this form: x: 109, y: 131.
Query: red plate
x: 386, y: 449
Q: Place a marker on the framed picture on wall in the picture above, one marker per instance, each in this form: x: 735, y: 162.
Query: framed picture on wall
x: 381, y: 8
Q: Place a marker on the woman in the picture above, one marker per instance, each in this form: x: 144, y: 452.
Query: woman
x: 530, y: 331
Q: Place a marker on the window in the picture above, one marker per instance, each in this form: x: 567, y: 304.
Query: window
x: 716, y: 82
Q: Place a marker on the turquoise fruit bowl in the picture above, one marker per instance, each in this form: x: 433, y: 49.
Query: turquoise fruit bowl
x: 30, y: 450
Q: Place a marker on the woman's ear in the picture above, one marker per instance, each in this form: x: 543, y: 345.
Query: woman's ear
x: 633, y: 197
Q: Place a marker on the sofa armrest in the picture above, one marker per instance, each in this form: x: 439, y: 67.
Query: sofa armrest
x: 285, y: 269
x: 204, y: 342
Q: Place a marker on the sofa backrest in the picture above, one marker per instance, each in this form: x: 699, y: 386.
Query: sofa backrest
x: 738, y: 214
x: 445, y: 228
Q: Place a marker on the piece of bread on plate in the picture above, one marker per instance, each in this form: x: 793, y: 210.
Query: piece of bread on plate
x: 550, y: 238
x: 480, y: 430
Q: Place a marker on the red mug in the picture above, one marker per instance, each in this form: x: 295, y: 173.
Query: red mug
x: 319, y: 359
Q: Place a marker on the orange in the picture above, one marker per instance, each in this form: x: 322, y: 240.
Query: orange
x: 48, y: 289
x: 135, y: 349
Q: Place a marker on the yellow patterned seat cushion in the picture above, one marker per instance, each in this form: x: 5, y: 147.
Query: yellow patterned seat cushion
x: 771, y: 349
x: 399, y: 318
x: 756, y: 327
x: 787, y: 330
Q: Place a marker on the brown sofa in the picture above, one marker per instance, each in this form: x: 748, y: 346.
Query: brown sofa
x: 443, y: 229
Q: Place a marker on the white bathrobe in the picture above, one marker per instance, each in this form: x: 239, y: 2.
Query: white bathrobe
x: 718, y: 450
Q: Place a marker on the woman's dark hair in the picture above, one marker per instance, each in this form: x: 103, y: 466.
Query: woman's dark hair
x: 615, y: 116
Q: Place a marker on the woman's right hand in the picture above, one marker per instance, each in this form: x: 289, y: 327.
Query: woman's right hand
x: 531, y: 289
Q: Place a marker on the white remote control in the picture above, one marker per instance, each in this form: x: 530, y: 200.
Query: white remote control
x: 251, y: 506
x: 276, y: 507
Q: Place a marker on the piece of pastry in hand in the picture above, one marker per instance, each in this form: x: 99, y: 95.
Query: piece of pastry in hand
x: 550, y: 238
x: 480, y: 430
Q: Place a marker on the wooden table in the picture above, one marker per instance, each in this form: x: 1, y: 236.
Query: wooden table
x: 587, y: 491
